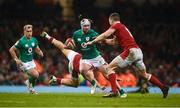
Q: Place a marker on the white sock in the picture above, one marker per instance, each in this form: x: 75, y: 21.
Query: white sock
x: 47, y: 36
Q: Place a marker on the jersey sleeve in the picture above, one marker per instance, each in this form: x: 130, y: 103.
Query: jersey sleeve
x: 114, y: 26
x: 18, y: 44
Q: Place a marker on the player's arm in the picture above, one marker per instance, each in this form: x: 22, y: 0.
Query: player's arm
x: 103, y: 36
x: 39, y: 51
x: 13, y: 51
x: 112, y: 41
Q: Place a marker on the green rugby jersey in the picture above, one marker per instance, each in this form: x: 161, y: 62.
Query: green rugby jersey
x: 90, y: 51
x: 26, y: 48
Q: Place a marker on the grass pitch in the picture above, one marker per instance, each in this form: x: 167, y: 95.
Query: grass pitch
x: 86, y: 100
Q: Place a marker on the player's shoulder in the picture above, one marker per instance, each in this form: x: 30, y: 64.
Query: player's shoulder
x: 22, y: 39
x: 33, y: 38
x: 92, y: 31
x: 117, y: 25
x: 78, y: 31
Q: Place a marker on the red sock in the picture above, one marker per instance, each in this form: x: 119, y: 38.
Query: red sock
x: 156, y: 82
x: 59, y: 81
x: 112, y: 79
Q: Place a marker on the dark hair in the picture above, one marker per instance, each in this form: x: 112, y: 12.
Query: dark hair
x: 114, y: 16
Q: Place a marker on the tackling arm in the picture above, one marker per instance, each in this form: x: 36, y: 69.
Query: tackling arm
x: 112, y: 41
x: 104, y: 35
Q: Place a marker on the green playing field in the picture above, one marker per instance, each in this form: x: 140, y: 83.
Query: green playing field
x: 86, y: 100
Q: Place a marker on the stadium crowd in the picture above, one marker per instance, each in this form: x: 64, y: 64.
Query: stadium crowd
x: 154, y: 26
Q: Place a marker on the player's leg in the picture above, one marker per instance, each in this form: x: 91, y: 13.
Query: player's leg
x: 101, y: 65
x: 141, y: 68
x: 29, y: 68
x: 58, y: 44
x: 119, y: 61
x: 102, y: 68
x: 93, y: 65
x: 33, y: 76
x: 87, y: 71
x: 151, y: 78
x: 72, y: 82
x: 112, y: 77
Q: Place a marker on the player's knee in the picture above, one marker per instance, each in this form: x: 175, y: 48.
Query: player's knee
x: 104, y: 70
x: 36, y: 74
x: 144, y: 74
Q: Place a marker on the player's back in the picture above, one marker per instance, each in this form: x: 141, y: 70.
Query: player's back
x: 124, y: 37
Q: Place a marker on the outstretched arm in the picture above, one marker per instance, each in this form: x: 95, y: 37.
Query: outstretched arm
x: 112, y: 41
x: 104, y: 35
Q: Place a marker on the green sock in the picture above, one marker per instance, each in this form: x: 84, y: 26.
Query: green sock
x: 121, y: 91
x: 93, y: 82
x: 32, y: 81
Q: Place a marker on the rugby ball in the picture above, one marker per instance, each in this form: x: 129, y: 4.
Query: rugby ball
x: 70, y: 43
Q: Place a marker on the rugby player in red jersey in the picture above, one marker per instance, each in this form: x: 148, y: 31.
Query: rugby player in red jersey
x: 131, y: 55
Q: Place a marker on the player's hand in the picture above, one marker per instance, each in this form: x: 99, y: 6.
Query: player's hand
x: 43, y: 34
x: 18, y: 62
x: 89, y: 43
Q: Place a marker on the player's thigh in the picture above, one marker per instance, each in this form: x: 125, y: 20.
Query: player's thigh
x: 119, y: 62
x: 29, y: 68
x: 33, y: 72
x: 98, y: 61
x: 70, y: 54
x: 66, y: 52
x: 140, y: 67
x: 102, y: 69
x: 134, y: 54
x: 88, y: 75
x: 85, y: 67
x: 114, y: 63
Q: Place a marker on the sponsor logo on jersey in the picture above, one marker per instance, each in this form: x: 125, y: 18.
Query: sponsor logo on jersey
x: 87, y: 38
x: 79, y: 39
x: 84, y: 45
x: 30, y: 50
x: 26, y: 45
x: 33, y: 44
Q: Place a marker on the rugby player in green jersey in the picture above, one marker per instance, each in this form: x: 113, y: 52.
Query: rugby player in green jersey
x: 90, y: 54
x: 27, y: 46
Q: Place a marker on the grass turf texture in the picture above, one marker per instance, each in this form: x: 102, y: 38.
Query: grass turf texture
x: 86, y: 100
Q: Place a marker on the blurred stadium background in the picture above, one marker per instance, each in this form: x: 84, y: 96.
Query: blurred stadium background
x: 155, y: 25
